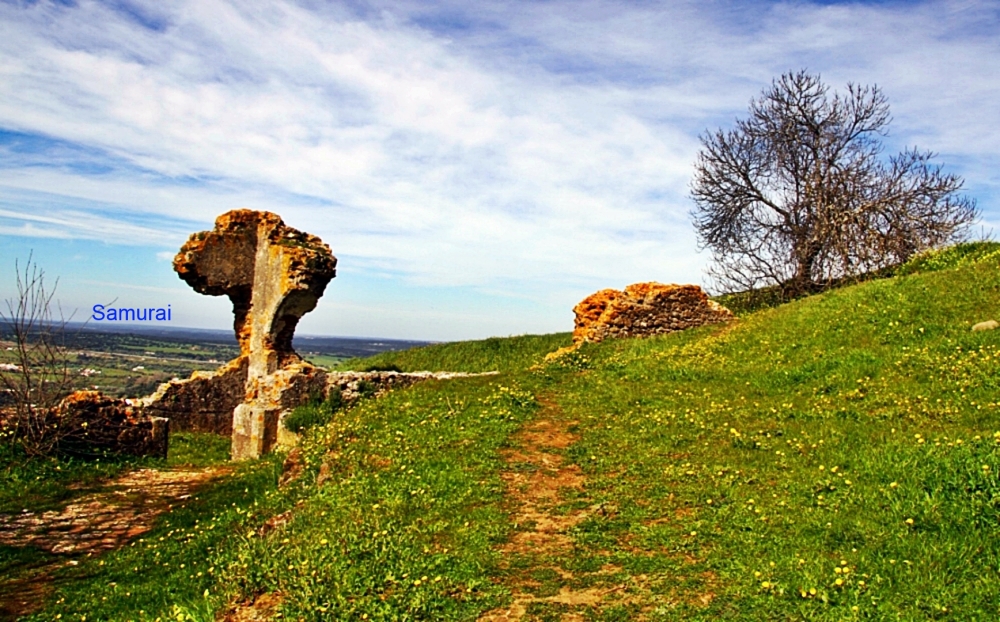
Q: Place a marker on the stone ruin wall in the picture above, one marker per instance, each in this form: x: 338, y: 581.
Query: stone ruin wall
x: 644, y: 309
x: 273, y: 275
x: 90, y: 423
x: 202, y: 403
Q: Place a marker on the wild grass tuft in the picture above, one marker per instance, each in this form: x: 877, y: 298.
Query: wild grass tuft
x: 317, y: 412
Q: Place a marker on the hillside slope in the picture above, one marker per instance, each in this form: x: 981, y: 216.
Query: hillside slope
x: 834, y: 458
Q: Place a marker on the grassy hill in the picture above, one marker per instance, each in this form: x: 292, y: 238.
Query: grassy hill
x: 834, y: 458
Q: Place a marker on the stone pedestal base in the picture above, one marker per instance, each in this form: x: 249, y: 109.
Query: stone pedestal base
x: 255, y: 431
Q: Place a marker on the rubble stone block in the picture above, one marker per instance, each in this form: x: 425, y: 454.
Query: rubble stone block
x: 644, y: 309
x: 89, y: 422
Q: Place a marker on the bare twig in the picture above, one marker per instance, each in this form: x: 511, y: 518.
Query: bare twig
x: 40, y: 375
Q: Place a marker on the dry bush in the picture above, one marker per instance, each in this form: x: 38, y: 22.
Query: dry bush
x: 39, y: 375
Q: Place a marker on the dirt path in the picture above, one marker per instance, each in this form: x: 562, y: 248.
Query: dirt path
x: 97, y: 522
x: 537, y: 481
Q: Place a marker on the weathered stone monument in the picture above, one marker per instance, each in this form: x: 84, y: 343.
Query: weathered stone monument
x: 273, y: 275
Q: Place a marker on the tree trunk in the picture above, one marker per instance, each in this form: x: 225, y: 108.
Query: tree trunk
x: 802, y: 281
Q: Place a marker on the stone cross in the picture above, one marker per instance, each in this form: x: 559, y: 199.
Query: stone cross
x: 273, y: 275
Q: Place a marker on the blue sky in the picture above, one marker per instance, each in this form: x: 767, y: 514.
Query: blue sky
x: 477, y: 168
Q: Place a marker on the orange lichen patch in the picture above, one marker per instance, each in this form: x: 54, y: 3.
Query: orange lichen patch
x: 590, y: 310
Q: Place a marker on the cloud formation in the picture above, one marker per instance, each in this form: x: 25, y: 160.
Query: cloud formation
x: 536, y: 150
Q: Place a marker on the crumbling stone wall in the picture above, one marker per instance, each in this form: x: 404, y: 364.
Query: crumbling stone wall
x: 644, y: 309
x: 356, y: 384
x: 202, y: 403
x: 90, y: 422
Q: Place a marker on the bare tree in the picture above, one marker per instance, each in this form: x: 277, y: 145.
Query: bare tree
x: 797, y: 195
x: 39, y: 376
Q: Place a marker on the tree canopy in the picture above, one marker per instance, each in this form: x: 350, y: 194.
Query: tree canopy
x: 798, y: 194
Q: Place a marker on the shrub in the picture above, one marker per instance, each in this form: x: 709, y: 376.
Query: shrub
x: 38, y: 375
x: 316, y: 412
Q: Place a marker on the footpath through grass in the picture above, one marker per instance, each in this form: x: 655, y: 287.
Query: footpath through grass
x: 835, y: 458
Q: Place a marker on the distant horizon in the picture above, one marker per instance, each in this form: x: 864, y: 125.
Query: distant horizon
x: 147, y: 328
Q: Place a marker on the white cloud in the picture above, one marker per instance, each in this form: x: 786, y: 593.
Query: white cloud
x: 75, y: 224
x: 539, y: 149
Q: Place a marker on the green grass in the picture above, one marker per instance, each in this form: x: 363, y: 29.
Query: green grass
x: 325, y: 361
x: 176, y: 568
x: 39, y: 484
x: 835, y: 458
x: 807, y: 436
x: 404, y: 529
x: 951, y: 257
x: 197, y: 449
x: 494, y: 354
x: 744, y: 303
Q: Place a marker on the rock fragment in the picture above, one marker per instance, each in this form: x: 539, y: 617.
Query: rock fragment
x: 87, y: 423
x: 644, y: 309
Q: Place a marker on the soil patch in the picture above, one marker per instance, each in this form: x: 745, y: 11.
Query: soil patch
x: 536, y: 480
x: 260, y: 609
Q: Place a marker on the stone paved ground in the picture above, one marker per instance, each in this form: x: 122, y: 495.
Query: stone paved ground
x: 101, y: 521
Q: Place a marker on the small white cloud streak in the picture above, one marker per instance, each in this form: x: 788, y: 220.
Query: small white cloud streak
x: 72, y: 224
x: 456, y: 157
